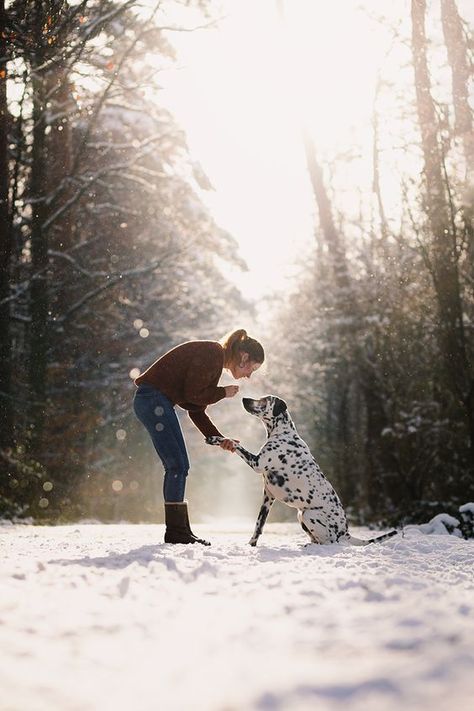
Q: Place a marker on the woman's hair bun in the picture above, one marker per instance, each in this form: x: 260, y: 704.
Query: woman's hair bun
x: 238, y: 341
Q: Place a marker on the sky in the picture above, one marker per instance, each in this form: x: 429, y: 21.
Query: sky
x: 243, y: 91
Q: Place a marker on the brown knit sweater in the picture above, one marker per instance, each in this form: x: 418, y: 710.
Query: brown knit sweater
x: 188, y: 375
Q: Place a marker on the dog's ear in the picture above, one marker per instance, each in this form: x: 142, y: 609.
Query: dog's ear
x: 279, y: 406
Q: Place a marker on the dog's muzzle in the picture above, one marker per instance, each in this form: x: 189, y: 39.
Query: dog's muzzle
x: 247, y: 402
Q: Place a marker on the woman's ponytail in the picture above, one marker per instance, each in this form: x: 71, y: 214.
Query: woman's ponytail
x: 239, y: 342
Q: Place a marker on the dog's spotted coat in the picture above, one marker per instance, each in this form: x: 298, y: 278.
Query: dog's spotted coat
x: 292, y: 475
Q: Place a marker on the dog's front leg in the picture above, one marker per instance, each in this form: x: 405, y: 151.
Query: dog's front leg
x: 268, y: 500
x: 248, y: 457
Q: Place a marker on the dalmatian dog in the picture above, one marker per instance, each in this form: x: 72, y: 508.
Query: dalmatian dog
x: 291, y: 475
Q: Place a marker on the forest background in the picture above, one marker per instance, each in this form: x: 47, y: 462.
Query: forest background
x: 332, y: 219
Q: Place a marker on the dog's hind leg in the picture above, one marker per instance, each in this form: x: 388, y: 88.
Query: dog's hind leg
x: 314, y: 525
x: 268, y: 500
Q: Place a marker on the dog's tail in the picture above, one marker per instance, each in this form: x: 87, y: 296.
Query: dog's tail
x: 365, y: 542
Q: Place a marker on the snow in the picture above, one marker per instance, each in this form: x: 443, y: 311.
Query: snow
x: 445, y: 524
x: 107, y: 617
x: 441, y: 524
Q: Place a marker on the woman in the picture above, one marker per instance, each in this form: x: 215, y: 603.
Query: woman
x: 187, y: 376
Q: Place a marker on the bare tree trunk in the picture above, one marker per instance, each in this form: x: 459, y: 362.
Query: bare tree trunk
x: 347, y: 306
x: 375, y: 167
x: 39, y: 245
x: 456, y: 46
x: 6, y: 408
x: 461, y: 71
x: 443, y: 254
x: 331, y: 234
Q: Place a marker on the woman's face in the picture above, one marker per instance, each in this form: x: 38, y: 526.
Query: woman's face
x: 244, y: 367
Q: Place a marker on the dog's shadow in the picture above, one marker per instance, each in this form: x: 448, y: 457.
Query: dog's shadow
x: 160, y: 553
x: 269, y: 554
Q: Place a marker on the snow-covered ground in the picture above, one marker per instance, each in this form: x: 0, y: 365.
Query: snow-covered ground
x: 98, y: 617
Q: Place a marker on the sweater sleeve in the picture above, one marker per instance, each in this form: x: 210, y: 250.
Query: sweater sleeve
x: 204, y: 423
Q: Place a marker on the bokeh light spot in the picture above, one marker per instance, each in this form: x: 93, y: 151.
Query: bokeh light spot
x: 121, y: 434
x: 117, y: 485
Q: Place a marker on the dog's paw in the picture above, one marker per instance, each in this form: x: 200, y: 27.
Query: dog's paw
x: 252, y: 543
x: 214, y: 439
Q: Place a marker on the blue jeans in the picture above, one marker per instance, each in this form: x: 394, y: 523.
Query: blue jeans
x: 157, y: 413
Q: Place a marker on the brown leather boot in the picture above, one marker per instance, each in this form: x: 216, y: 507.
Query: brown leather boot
x: 178, y: 529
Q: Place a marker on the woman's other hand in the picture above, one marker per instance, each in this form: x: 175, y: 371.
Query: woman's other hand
x: 229, y: 444
x: 231, y: 390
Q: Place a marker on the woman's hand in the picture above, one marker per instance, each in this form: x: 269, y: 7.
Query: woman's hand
x: 229, y: 444
x: 231, y: 390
